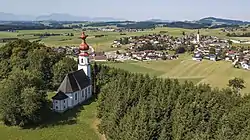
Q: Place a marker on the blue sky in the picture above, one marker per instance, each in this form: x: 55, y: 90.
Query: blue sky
x: 133, y: 9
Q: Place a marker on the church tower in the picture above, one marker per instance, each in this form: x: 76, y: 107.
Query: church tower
x: 198, y: 37
x: 83, y: 60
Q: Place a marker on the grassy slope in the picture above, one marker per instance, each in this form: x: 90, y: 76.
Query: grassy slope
x: 76, y: 124
x: 216, y: 74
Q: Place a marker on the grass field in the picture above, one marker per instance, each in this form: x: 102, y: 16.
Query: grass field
x: 102, y: 43
x: 76, y: 124
x: 216, y: 74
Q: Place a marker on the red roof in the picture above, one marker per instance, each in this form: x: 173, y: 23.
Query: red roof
x: 231, y: 52
x: 84, y: 46
x: 85, y: 54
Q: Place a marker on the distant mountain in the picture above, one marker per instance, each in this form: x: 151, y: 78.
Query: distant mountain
x: 13, y: 17
x: 220, y: 21
x: 54, y: 17
x: 158, y: 20
x: 67, y: 17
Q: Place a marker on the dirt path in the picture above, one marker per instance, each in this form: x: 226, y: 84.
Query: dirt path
x: 95, y: 124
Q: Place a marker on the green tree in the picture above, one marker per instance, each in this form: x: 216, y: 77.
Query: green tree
x: 230, y: 43
x: 236, y: 84
x: 5, y: 68
x: 61, y: 68
x: 21, y: 98
x: 212, y: 51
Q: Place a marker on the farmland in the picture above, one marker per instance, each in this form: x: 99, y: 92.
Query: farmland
x: 216, y: 74
x: 99, y: 43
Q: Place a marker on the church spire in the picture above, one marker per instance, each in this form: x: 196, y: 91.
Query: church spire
x: 198, y: 36
x: 83, y: 62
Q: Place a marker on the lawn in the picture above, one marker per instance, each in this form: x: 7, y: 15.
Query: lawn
x: 216, y: 74
x: 76, y: 124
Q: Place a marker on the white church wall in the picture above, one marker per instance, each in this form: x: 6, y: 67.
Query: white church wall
x: 70, y: 101
x: 60, y: 105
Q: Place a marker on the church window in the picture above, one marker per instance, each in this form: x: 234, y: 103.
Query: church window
x: 85, y: 95
x: 56, y: 107
x: 64, y: 107
x: 82, y: 60
x: 75, y: 96
x: 64, y: 101
x: 56, y: 102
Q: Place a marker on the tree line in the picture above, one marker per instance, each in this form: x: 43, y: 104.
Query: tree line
x: 20, y: 26
x: 139, y: 107
x: 238, y: 35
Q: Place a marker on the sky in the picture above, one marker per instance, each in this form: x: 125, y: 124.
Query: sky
x: 133, y: 9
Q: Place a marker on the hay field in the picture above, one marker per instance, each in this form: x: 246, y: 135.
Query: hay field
x: 216, y: 74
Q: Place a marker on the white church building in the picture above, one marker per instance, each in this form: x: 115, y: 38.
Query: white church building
x: 76, y: 86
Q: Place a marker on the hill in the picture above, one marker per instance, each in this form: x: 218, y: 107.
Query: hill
x: 68, y: 17
x: 13, y: 17
x: 220, y: 21
x: 216, y: 74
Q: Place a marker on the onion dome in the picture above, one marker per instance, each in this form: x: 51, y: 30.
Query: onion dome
x: 84, y: 46
x: 83, y: 36
x: 85, y: 54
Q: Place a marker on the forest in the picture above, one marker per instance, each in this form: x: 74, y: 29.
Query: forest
x: 138, y: 107
x: 30, y: 26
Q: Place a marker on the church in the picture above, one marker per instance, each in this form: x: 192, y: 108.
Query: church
x: 76, y: 86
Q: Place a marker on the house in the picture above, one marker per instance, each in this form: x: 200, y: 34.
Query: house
x: 197, y: 57
x: 246, y: 66
x: 76, y: 86
x: 213, y: 57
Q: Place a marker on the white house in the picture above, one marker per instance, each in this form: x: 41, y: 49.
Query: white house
x: 76, y: 86
x: 197, y: 57
x: 245, y: 66
x: 213, y: 57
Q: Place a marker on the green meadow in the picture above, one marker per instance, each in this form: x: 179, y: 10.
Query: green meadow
x: 216, y: 74
x: 79, y: 123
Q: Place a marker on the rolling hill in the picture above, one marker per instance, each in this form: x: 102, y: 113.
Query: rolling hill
x: 220, y: 21
x: 216, y: 74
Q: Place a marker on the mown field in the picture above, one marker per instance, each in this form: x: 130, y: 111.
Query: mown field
x: 76, y: 124
x: 216, y: 74
x: 102, y: 43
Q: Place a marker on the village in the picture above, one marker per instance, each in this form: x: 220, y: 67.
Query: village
x: 158, y: 46
x: 166, y: 47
